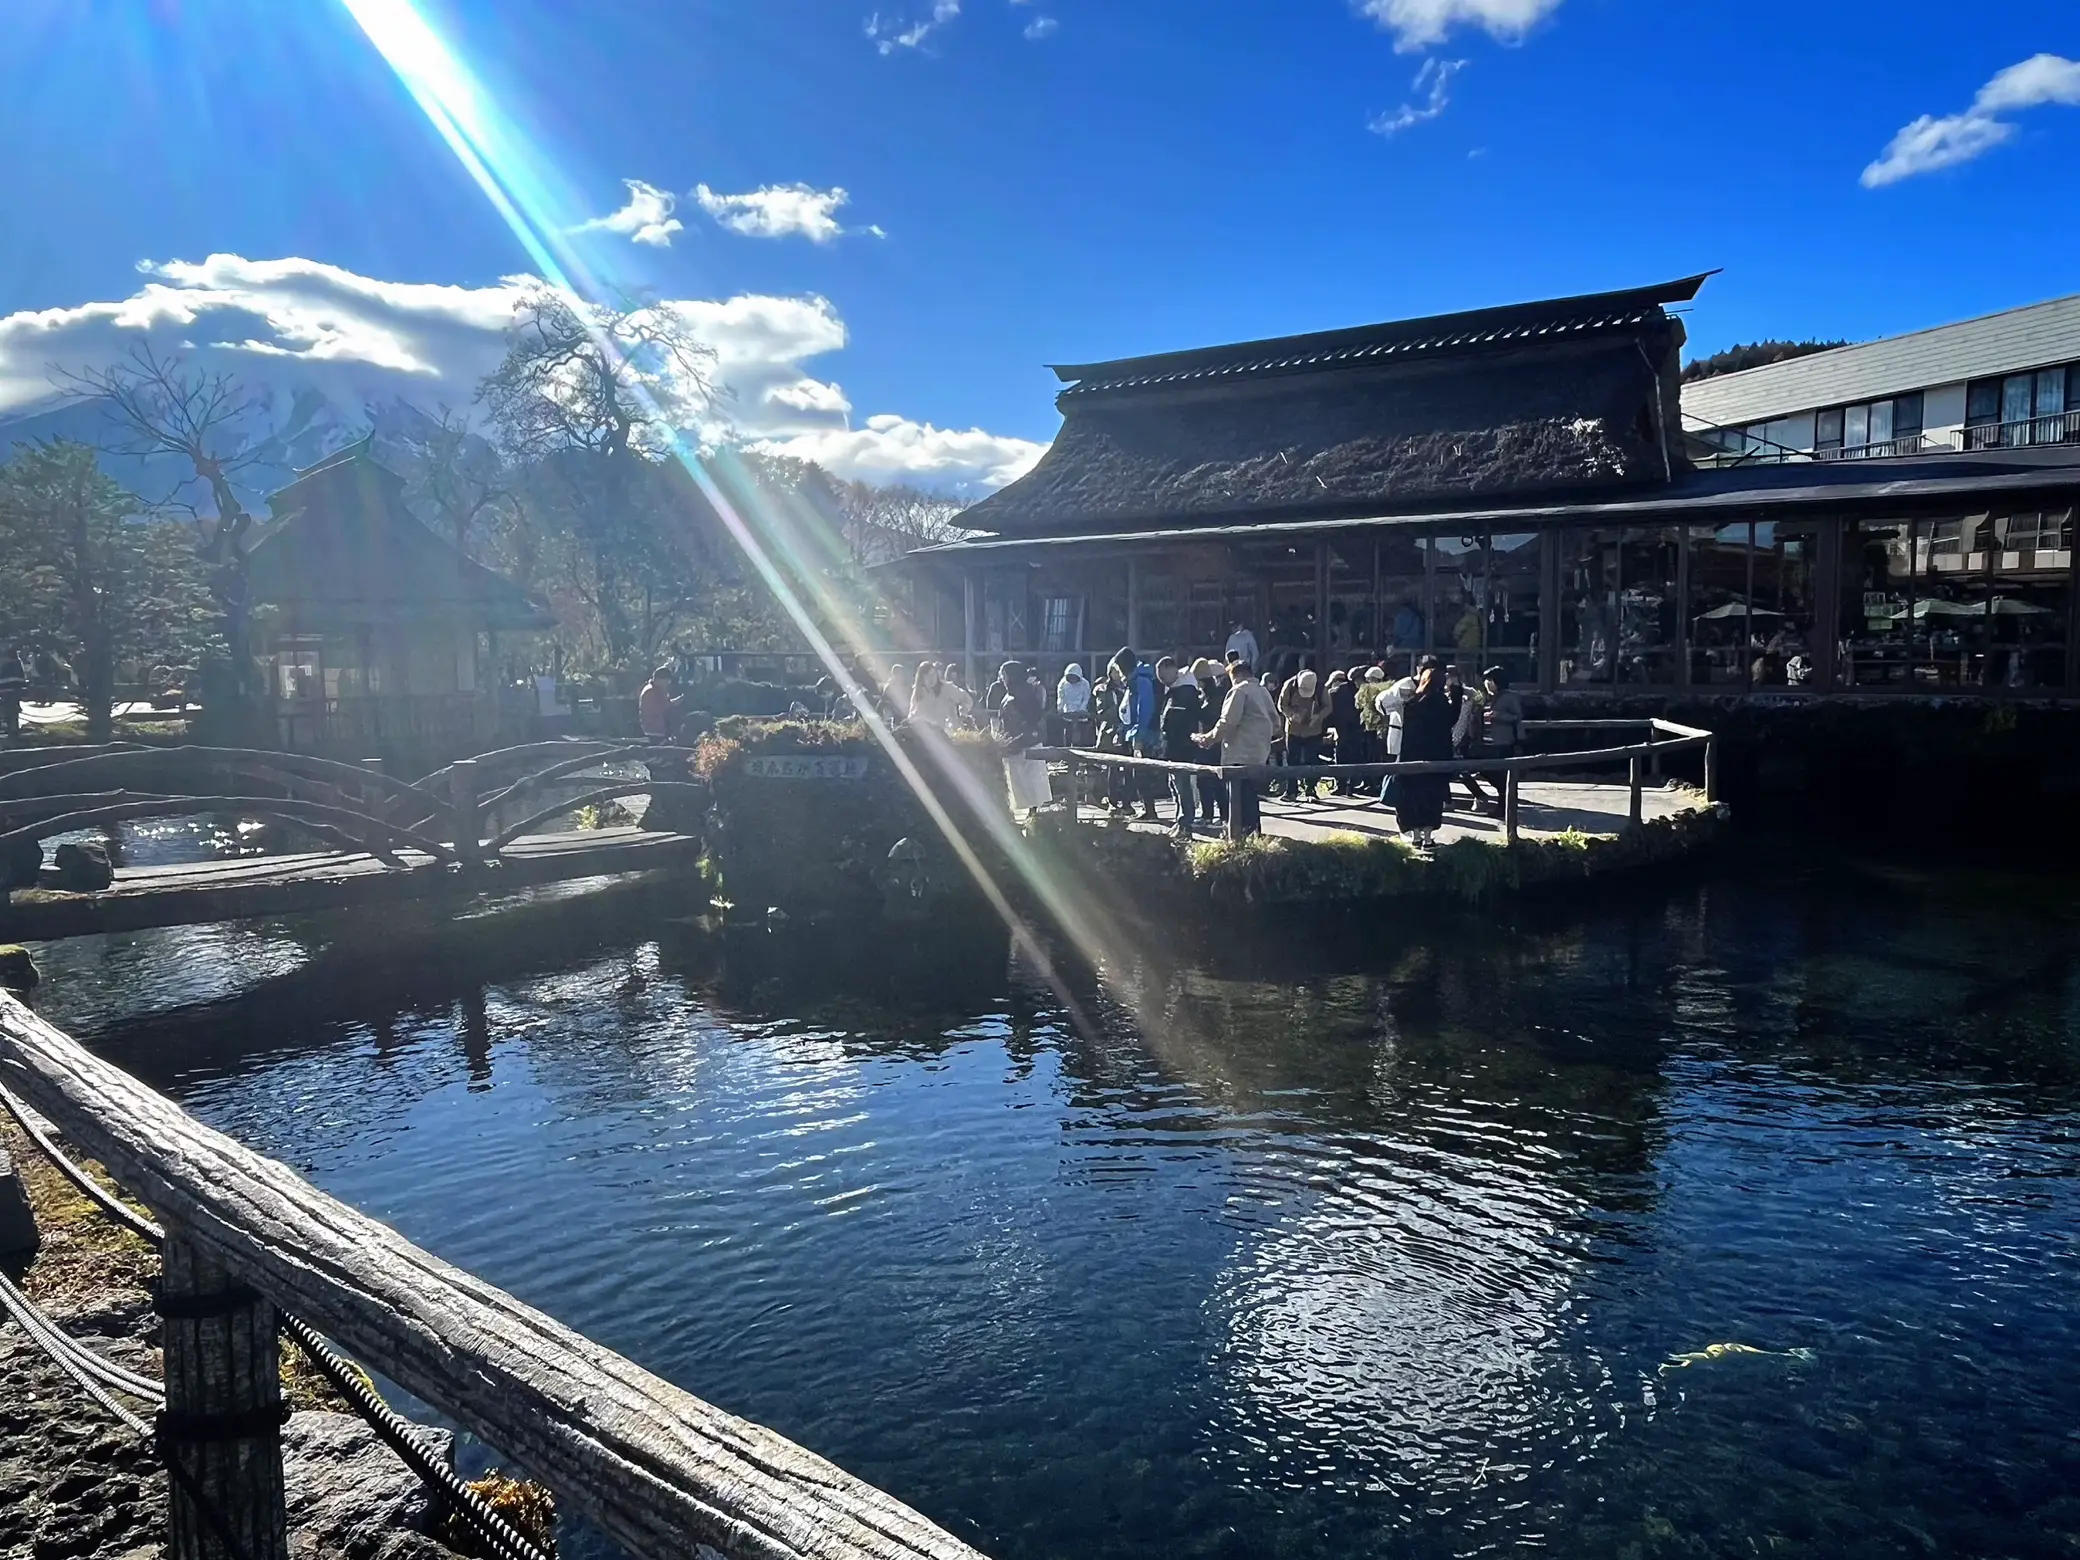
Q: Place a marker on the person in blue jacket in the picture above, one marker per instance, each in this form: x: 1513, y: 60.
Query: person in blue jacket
x: 1139, y: 707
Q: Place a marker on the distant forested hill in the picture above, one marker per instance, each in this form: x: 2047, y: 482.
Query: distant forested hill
x: 1754, y: 354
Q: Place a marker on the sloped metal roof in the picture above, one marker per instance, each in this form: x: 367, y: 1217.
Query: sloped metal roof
x: 2035, y: 336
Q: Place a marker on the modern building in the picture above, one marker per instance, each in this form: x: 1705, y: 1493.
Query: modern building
x: 378, y: 636
x: 1522, y: 486
x: 2004, y: 381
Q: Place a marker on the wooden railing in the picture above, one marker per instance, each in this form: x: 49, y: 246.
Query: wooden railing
x: 1664, y: 739
x: 660, y: 1470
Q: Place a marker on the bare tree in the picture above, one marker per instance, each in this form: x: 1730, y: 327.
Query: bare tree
x: 452, y: 470
x: 886, y: 522
x: 584, y: 399
x: 164, y: 407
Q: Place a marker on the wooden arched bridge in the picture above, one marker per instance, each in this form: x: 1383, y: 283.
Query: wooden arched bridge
x: 479, y: 824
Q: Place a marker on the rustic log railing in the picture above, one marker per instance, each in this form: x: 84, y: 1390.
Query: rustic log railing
x: 354, y: 806
x: 1663, y: 739
x: 661, y: 1471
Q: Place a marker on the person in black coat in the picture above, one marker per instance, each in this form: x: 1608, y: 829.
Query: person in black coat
x: 1350, y: 732
x: 1179, y: 715
x: 1426, y: 737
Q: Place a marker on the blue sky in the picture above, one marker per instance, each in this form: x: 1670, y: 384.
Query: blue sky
x: 1026, y: 182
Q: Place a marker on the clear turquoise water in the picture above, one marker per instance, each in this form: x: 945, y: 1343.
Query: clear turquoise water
x: 1354, y: 1242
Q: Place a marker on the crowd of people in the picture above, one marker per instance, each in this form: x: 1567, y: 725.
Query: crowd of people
x: 1202, y: 712
x: 1395, y: 709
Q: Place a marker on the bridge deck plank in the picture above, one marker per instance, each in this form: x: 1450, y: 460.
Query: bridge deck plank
x: 188, y: 894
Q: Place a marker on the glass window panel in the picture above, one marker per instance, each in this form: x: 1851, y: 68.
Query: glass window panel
x: 1948, y: 633
x: 1783, y: 605
x: 1907, y: 411
x: 1881, y: 422
x: 1404, y: 609
x: 1856, y: 430
x: 1350, y: 600
x: 1877, y: 586
x: 1982, y: 401
x: 1647, y: 634
x: 1458, y: 587
x: 2051, y: 405
x: 2017, y: 391
x: 1589, y: 606
x: 1721, y: 645
x: 1829, y: 429
x: 1514, y: 568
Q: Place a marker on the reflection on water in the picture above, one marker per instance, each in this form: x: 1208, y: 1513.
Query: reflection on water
x: 1376, y: 1240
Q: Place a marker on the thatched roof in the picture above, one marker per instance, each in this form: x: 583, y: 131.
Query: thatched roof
x: 343, y: 551
x: 1572, y: 394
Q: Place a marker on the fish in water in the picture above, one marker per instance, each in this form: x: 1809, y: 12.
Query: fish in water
x: 1720, y: 1351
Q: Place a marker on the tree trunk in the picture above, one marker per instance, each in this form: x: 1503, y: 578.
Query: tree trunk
x: 97, y: 684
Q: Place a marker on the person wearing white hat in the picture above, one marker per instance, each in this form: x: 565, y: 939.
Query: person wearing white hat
x: 1305, y: 709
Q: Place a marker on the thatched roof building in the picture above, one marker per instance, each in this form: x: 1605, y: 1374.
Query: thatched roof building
x: 1506, y: 487
x: 1576, y: 394
x: 344, y: 551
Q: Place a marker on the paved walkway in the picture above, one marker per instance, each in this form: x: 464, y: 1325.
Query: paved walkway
x: 1544, y: 807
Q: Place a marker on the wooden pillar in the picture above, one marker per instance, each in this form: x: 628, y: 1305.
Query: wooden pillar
x: 1683, y: 606
x: 1134, y: 603
x: 1827, y: 603
x: 1234, y: 809
x: 1509, y: 806
x: 1379, y: 635
x: 1636, y: 778
x: 968, y: 612
x: 462, y: 790
x: 1711, y: 769
x: 1321, y: 610
x: 223, y: 1421
x: 1549, y: 545
x: 2072, y: 666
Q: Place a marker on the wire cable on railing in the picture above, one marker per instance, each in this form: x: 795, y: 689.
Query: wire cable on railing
x: 500, y: 1537
x: 90, y: 1188
x: 47, y: 1332
x: 504, y: 1541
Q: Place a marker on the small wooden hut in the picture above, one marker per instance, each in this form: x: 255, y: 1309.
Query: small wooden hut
x: 378, y: 637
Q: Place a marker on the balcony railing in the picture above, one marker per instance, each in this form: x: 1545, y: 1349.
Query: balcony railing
x: 1884, y: 449
x: 2057, y: 428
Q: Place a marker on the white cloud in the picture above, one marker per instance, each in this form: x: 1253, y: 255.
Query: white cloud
x: 1042, y: 27
x: 1435, y: 81
x: 889, y: 34
x: 646, y: 219
x: 1933, y: 142
x: 778, y: 211
x: 888, y: 448
x: 1423, y: 24
x: 294, y: 326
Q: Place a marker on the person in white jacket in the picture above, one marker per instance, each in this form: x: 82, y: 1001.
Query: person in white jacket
x: 1072, y: 705
x: 1388, y: 703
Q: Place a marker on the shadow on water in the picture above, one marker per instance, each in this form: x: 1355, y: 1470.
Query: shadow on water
x: 1320, y: 1238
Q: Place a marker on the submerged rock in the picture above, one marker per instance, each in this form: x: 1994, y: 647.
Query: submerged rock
x: 18, y: 972
x: 83, y: 868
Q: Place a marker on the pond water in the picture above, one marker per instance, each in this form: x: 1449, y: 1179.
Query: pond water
x: 1412, y: 1239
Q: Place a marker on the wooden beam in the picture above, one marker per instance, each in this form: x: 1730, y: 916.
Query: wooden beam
x: 657, y: 1468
